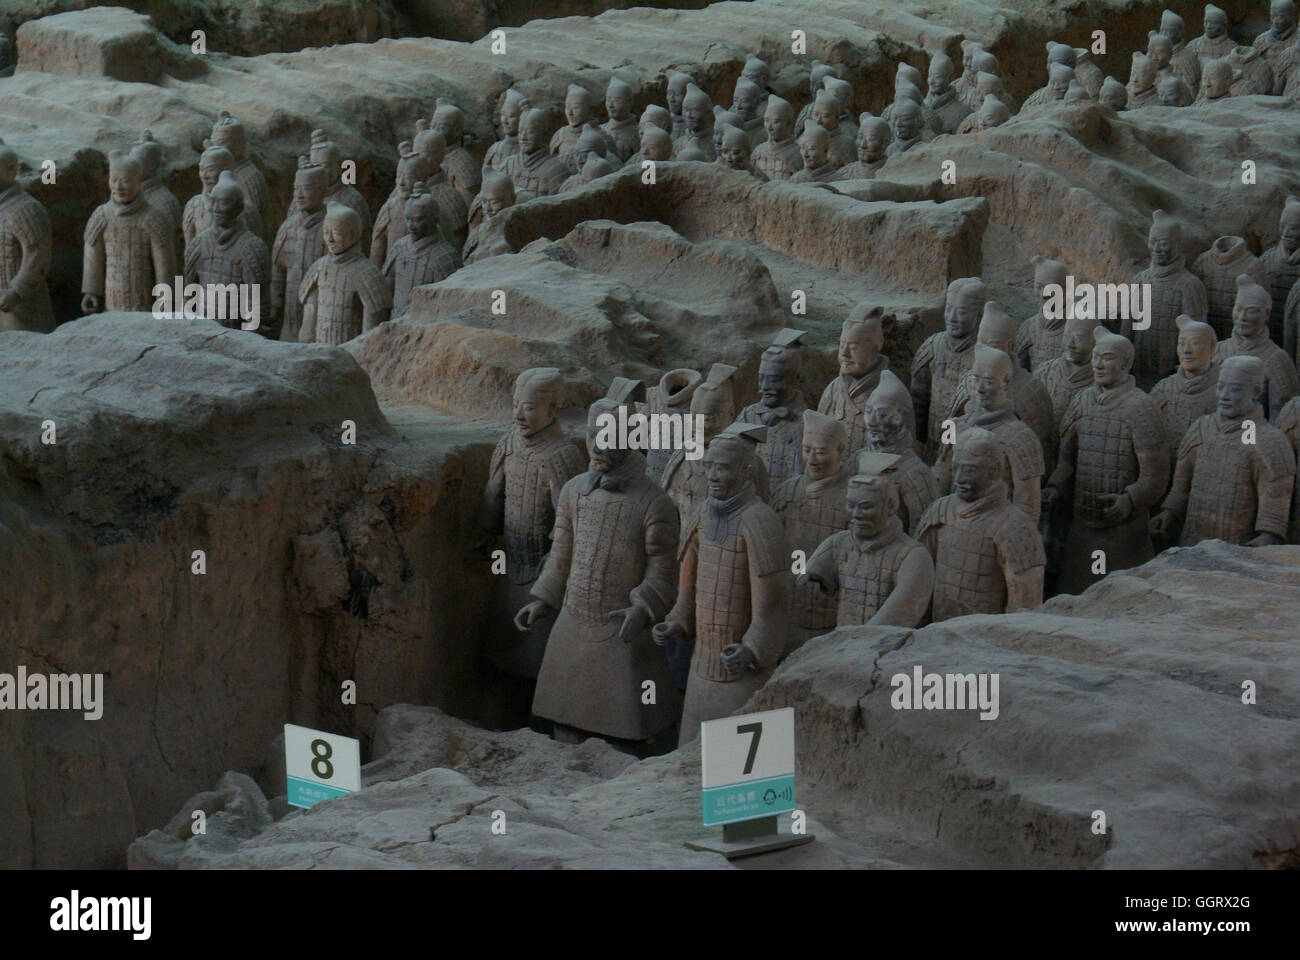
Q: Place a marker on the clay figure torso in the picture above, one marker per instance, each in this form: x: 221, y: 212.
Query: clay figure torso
x: 222, y: 257
x: 782, y: 452
x: 347, y: 289
x: 298, y: 244
x: 412, y: 263
x: 868, y: 575
x: 26, y: 245
x: 128, y: 250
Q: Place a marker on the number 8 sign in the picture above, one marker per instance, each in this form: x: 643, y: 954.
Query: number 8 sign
x: 747, y: 766
x: 319, y: 766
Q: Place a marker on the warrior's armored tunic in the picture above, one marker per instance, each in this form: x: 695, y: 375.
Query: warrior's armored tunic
x: 782, y: 452
x: 988, y: 557
x: 1181, y: 400
x: 1063, y: 380
x: 917, y: 488
x: 486, y: 239
x: 1205, y: 48
x: 1282, y: 270
x: 1218, y: 269
x: 459, y: 166
x: 1039, y: 340
x: 257, y: 196
x: 614, y: 542
x: 778, y: 159
x: 626, y: 136
x: 1230, y: 490
x: 885, y: 581
x: 937, y: 369
x: 26, y: 244
x: 539, y: 173
x: 348, y: 292
x: 820, y: 174
x: 845, y: 399
x: 687, y: 486
x: 1288, y: 421
x: 1174, y: 290
x: 412, y: 263
x: 1283, y: 383
x: 525, y: 478
x: 860, y: 170
x: 947, y: 111
x: 298, y: 244
x: 495, y: 158
x: 128, y: 250
x: 197, y: 217
x: 1276, y: 48
x: 164, y: 201
x: 1030, y: 401
x: 811, y: 511
x: 233, y: 256
x: 1022, y: 456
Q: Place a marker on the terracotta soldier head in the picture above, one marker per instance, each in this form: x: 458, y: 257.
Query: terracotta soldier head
x: 996, y: 329
x: 1061, y: 53
x: 1281, y: 16
x: 1113, y: 94
x: 907, y: 73
x: 125, y: 177
x: 449, y: 120
x: 421, y: 212
x: 577, y: 105
x: 991, y: 371
x: 1047, y: 272
x: 814, y: 146
x: 533, y: 129
x: 431, y: 146
x: 513, y: 105
x: 1288, y: 226
x: 214, y: 160
x: 824, y: 440
x: 986, y: 62
x: 1076, y: 92
x: 993, y: 113
x: 227, y: 201
x: 734, y: 152
x: 726, y: 460
x: 498, y: 192
x: 715, y: 400
x: 1142, y: 75
x: 1171, y: 25
x: 862, y: 337
x: 871, y: 498
x: 988, y: 86
x: 907, y: 90
x: 976, y: 464
x: 841, y: 90
x: 1112, y: 357
x: 410, y: 168
x: 697, y: 110
x: 655, y: 116
x: 722, y: 119
x: 746, y: 99
x: 656, y: 144
x: 326, y: 153
x: 817, y: 76
x: 229, y: 133
x: 1196, y: 343
x: 1216, y: 22
x: 1251, y: 309
x: 969, y: 50
x: 1165, y: 239
x: 592, y: 142
x: 1058, y: 80
x: 676, y: 91
x: 778, y: 119
x: 826, y: 110
x: 618, y: 100
x: 888, y: 414
x: 778, y: 368
x: 149, y: 152
x: 342, y: 228
x: 905, y: 121
x: 600, y: 458
x: 1160, y: 50
x: 539, y: 393
x: 1216, y: 78
x: 1169, y: 91
x: 1078, y: 340
x: 964, y: 307
x: 1240, y: 389
x: 756, y: 71
x: 873, y: 138
x: 941, y: 74
x: 596, y: 167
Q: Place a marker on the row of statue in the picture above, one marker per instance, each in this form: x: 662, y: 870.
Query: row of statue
x: 1018, y: 457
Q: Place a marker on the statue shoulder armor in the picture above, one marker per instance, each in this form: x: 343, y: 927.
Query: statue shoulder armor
x: 97, y: 224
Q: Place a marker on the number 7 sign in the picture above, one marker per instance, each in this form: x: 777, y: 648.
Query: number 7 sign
x: 747, y: 766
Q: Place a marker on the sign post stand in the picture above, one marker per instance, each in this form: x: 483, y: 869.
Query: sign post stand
x: 747, y: 766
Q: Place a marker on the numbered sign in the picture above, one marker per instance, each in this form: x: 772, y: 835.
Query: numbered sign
x: 319, y: 766
x: 748, y: 766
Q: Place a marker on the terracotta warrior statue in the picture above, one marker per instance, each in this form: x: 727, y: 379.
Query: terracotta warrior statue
x: 1184, y: 62
x: 1142, y: 80
x: 811, y: 507
x: 149, y: 152
x: 675, y: 94
x: 1251, y: 71
x: 390, y: 222
x: 228, y: 252
x: 1217, y: 78
x: 1250, y: 336
x: 734, y: 153
x: 229, y: 133
x: 1218, y: 269
x: 299, y: 243
x: 26, y: 245
x: 513, y: 105
x: 697, y: 124
x: 906, y: 124
x: 1215, y: 42
x: 1188, y: 392
x: 873, y: 572
x: 1174, y: 290
x: 778, y: 156
x: 327, y: 154
x: 988, y: 85
x: 197, y: 215
x: 611, y: 573
x: 1058, y: 55
x: 990, y: 110
x: 891, y: 428
x: 988, y: 557
x: 734, y: 592
x: 1113, y: 450
x: 947, y: 110
x: 1029, y: 398
x: 578, y: 111
x: 487, y: 237
x: 1113, y: 95
x: 1039, y: 339
x: 966, y: 82
x: 1071, y: 371
x: 1288, y: 421
x: 129, y: 247
x: 621, y: 127
x: 422, y: 256
x: 816, y: 81
x: 907, y: 85
x: 944, y: 358
x: 453, y: 215
x: 1282, y: 269
x: 1170, y: 89
x: 780, y: 407
x: 672, y: 395
x: 814, y: 150
x: 1228, y: 484
x: 656, y: 145
x: 458, y: 163
x: 1020, y: 463
x: 1277, y: 41
x: 872, y: 146
x: 841, y: 149
x: 529, y: 468
x: 862, y: 363
x: 343, y: 295
x: 533, y: 169
x: 747, y: 101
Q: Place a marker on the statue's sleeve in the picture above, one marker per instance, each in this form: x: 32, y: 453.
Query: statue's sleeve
x: 1028, y: 496
x: 379, y: 235
x: 307, y: 297
x: 823, y: 567
x: 92, y: 259
x: 921, y: 388
x: 828, y: 397
x: 688, y: 559
x: 1021, y: 556
x: 1284, y: 383
x: 1274, y: 470
x: 910, y: 599
x: 549, y: 586
x: 1195, y: 302
x: 163, y: 249
x: 1024, y: 343
x: 658, y: 588
x: 1152, y: 455
x: 375, y: 294
x: 32, y: 228
x: 491, y: 513
x: 188, y: 227
x: 1184, y: 470
x: 1067, y: 453
x: 190, y: 270
x: 279, y: 266
x: 769, y: 590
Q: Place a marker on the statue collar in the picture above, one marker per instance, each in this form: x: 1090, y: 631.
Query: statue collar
x: 1110, y: 395
x: 985, y: 417
x: 995, y: 495
x: 1235, y: 251
x: 1255, y: 346
x: 129, y: 209
x: 1169, y: 269
x: 547, y: 433
x: 618, y: 479
x: 793, y: 407
x: 227, y: 236
x: 1080, y: 373
x: 1233, y: 424
x: 941, y: 100
x: 312, y: 217
x: 816, y: 487
x: 1282, y: 37
x: 856, y: 386
x: 889, y: 533
x: 1201, y: 383
x: 350, y: 255
x: 720, y: 515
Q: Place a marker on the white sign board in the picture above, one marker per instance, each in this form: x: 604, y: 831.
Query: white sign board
x: 319, y: 766
x: 747, y: 766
